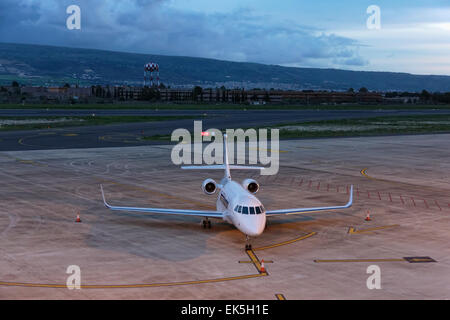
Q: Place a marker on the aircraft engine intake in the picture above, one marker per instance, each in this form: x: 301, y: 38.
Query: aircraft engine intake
x: 251, y: 185
x: 209, y: 186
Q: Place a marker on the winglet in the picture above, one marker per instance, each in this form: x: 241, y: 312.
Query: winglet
x: 103, y: 196
x: 350, y: 200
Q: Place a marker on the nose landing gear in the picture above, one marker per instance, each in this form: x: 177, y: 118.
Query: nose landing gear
x: 248, y: 245
x: 205, y: 223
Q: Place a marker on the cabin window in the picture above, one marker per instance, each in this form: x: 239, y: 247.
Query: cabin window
x: 258, y: 210
x: 252, y: 210
x: 244, y: 210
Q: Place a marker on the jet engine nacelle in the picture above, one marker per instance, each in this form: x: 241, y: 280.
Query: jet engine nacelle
x: 251, y: 185
x: 209, y: 186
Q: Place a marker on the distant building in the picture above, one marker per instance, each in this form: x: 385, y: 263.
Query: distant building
x: 402, y: 100
x: 208, y: 95
x: 56, y: 93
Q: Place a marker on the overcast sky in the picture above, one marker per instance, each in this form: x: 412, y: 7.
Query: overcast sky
x: 414, y: 35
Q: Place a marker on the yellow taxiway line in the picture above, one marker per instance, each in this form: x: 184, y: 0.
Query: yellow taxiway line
x: 280, y: 296
x: 128, y: 286
x: 255, y: 260
x: 352, y: 230
x: 285, y: 242
x: 360, y: 260
x: 420, y: 260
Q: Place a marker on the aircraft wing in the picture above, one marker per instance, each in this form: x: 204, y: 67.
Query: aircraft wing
x: 212, y: 214
x: 303, y: 210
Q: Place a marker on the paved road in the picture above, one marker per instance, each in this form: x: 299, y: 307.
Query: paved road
x: 119, y: 135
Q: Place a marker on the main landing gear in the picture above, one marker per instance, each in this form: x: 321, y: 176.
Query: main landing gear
x: 248, y: 245
x: 206, y: 223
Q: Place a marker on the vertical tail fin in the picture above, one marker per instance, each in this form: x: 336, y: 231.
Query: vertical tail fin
x: 226, y: 164
x: 225, y: 157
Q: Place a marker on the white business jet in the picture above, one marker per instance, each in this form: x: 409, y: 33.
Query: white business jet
x: 236, y: 203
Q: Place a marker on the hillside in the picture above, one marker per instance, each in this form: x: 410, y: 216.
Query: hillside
x: 47, y: 65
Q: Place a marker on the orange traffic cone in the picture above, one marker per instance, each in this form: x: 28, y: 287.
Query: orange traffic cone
x: 78, y: 218
x: 262, y: 269
x: 368, y: 216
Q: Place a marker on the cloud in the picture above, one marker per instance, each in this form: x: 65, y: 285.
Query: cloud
x: 353, y: 61
x: 147, y: 26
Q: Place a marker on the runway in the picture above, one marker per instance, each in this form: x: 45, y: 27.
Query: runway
x: 130, y: 134
x: 403, y: 181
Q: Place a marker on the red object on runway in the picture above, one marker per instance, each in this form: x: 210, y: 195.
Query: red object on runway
x: 368, y: 216
x: 78, y: 218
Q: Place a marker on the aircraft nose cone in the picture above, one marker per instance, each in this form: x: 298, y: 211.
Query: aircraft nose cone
x: 256, y: 228
x: 253, y: 232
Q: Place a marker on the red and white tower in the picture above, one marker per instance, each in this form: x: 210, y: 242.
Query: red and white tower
x: 149, y: 69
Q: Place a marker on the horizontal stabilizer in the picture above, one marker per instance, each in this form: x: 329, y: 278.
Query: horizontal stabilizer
x: 221, y: 167
x: 210, y: 167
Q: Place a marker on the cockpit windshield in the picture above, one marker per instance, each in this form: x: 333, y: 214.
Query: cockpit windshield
x: 249, y: 210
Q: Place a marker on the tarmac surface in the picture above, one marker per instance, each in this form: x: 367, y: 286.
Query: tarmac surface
x: 403, y: 181
x: 130, y: 134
